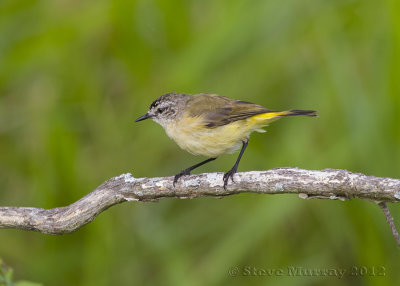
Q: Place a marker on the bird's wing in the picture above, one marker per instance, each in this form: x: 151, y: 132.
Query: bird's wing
x: 219, y: 110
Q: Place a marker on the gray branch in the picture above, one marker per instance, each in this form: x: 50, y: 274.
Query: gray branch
x: 325, y: 184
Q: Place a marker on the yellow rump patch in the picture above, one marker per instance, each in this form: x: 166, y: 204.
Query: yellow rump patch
x: 269, y: 115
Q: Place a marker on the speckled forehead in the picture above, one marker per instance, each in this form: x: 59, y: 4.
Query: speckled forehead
x: 162, y: 98
x: 174, y: 97
x: 155, y: 103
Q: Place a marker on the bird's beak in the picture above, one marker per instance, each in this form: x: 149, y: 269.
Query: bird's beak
x: 143, y: 117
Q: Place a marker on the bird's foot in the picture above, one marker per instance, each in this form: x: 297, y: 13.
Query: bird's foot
x: 182, y: 173
x: 228, y: 175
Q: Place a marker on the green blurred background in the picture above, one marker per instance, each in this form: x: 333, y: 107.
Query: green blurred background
x: 74, y: 75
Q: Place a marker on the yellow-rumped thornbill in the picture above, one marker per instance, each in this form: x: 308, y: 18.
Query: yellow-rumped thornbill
x: 212, y: 125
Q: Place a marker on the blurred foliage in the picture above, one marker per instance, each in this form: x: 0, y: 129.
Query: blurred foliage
x: 6, y: 277
x: 75, y: 74
x: 5, y: 274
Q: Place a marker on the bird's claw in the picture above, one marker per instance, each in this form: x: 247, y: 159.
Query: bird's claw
x: 185, y: 172
x: 228, y: 175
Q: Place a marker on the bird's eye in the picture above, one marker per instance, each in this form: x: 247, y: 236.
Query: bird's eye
x: 160, y: 110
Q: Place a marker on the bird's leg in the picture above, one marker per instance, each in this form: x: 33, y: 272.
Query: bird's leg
x: 187, y: 171
x: 232, y: 171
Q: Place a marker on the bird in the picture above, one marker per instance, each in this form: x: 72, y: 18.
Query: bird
x: 211, y: 125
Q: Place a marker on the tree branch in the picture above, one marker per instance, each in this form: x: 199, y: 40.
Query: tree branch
x: 325, y: 184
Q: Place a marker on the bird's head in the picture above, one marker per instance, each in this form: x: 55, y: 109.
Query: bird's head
x: 167, y: 108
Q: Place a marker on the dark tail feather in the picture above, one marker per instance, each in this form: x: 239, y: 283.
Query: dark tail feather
x: 296, y: 112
